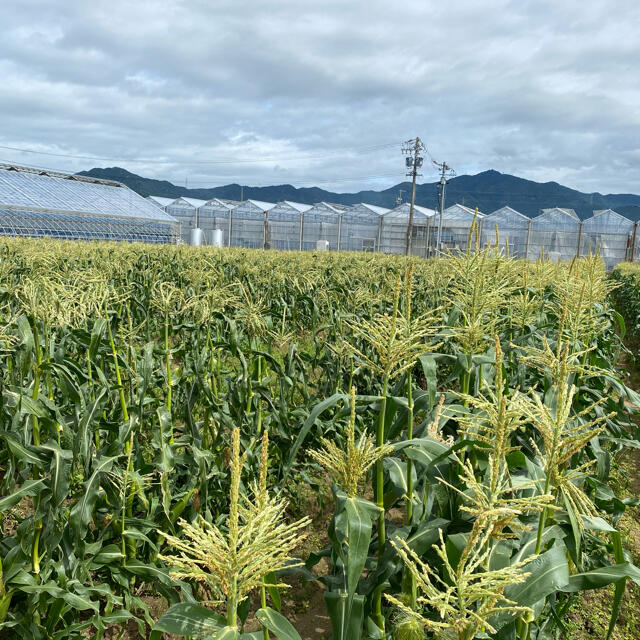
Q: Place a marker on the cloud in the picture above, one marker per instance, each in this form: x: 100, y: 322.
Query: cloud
x: 540, y: 89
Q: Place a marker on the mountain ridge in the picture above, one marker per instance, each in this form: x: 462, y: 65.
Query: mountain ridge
x: 488, y: 190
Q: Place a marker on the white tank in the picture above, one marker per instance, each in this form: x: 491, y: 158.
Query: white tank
x: 216, y: 238
x: 196, y: 237
x: 322, y: 245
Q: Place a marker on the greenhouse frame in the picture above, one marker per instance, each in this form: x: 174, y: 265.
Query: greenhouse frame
x: 609, y: 234
x: 39, y: 203
x: 508, y: 229
x: 395, y: 225
x: 554, y: 234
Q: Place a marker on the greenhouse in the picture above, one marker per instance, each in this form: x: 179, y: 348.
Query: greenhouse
x: 320, y: 224
x: 555, y: 234
x: 214, y: 218
x: 284, y: 225
x: 39, y: 203
x: 249, y: 224
x: 360, y: 227
x: 507, y: 228
x: 395, y: 223
x: 184, y: 211
x: 456, y: 224
x: 610, y: 235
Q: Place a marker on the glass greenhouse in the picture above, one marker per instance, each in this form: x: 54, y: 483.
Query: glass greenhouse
x: 360, y: 227
x: 456, y: 224
x: 215, y: 215
x: 284, y: 225
x: 609, y: 234
x: 554, y: 233
x: 511, y: 227
x: 184, y: 211
x: 249, y: 224
x: 395, y: 224
x: 320, y: 225
x: 39, y: 203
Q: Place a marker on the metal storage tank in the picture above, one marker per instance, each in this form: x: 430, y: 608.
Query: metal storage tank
x: 216, y: 215
x: 186, y: 211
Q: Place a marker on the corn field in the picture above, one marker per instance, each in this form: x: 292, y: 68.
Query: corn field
x: 162, y: 407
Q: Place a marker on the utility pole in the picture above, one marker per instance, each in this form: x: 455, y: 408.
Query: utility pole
x: 412, y: 149
x: 399, y: 197
x: 446, y: 171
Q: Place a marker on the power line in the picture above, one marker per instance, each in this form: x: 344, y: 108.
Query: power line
x: 204, y: 162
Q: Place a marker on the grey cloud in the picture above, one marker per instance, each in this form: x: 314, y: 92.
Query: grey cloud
x: 544, y: 90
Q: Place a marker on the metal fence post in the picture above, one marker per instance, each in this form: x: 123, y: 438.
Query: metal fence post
x: 633, y: 242
x: 265, y: 230
x: 339, y: 230
x: 380, y: 221
x: 301, y: 231
x: 229, y: 229
x: 578, y: 249
x: 428, y: 238
x: 526, y: 246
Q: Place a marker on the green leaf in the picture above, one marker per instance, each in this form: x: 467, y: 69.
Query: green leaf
x: 29, y: 488
x: 274, y: 593
x: 277, y: 624
x: 82, y: 511
x: 597, y: 578
x: 429, y: 370
x: 76, y: 601
x: 346, y: 615
x: 60, y: 461
x: 359, y: 537
x: 549, y: 572
x: 426, y: 535
x: 190, y: 619
x: 327, y: 403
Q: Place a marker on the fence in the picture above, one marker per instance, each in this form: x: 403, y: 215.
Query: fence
x: 346, y: 232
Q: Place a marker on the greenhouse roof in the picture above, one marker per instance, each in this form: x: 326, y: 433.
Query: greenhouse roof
x: 374, y: 208
x: 32, y: 189
x: 160, y: 201
x: 218, y: 202
x: 194, y: 202
x: 298, y: 206
x: 263, y: 206
x: 569, y: 212
x: 460, y: 212
x: 506, y: 216
x: 336, y: 208
x: 608, y: 221
x: 402, y: 210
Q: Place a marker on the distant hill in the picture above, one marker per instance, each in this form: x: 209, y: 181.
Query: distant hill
x: 488, y: 191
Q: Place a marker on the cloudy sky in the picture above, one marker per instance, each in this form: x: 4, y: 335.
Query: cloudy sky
x: 325, y: 92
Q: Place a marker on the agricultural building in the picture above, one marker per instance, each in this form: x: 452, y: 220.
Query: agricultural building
x: 39, y: 203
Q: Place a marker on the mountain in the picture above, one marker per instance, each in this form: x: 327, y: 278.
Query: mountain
x: 488, y: 191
